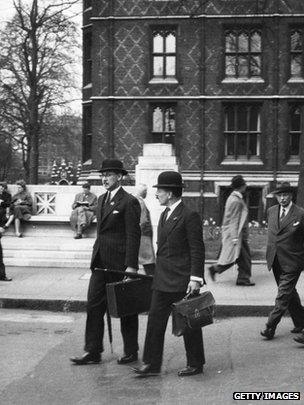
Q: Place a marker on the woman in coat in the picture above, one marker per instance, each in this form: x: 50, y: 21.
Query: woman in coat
x: 22, y: 205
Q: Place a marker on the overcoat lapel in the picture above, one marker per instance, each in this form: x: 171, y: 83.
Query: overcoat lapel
x: 288, y: 218
x: 165, y: 229
x: 110, y: 207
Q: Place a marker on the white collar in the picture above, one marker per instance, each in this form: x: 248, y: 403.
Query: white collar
x: 113, y: 192
x: 172, y: 207
x: 285, y: 208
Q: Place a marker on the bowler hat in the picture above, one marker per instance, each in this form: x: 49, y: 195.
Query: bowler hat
x: 284, y: 187
x: 113, y: 165
x: 237, y: 182
x: 169, y: 179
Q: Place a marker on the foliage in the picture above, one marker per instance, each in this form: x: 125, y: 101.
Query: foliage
x: 35, y: 73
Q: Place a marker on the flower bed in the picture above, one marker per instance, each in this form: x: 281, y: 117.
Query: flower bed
x: 257, y: 239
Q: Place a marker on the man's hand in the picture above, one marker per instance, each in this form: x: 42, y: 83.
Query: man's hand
x: 129, y: 270
x: 235, y: 241
x: 193, y: 286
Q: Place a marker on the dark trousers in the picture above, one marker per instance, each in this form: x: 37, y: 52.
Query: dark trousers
x: 2, y: 267
x: 287, y: 297
x: 243, y: 262
x: 96, y: 309
x: 157, y: 322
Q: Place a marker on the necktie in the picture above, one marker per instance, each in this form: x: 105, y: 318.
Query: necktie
x: 165, y: 215
x: 108, y: 198
x: 282, y: 214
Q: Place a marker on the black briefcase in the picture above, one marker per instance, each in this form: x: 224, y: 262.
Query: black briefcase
x: 193, y: 311
x: 129, y: 297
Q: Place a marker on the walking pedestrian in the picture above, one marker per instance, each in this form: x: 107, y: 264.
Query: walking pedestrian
x: 235, y: 248
x: 285, y: 256
x: 115, y: 251
x: 179, y: 270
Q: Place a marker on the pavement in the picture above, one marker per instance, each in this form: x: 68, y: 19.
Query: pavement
x: 65, y: 289
x: 35, y: 367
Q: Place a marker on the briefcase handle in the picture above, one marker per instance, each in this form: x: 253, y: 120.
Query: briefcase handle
x: 193, y: 294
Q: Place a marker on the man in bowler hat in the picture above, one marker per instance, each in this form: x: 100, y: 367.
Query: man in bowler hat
x: 235, y: 248
x: 179, y: 270
x: 115, y: 251
x: 285, y: 256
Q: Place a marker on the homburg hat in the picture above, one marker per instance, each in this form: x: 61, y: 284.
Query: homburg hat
x: 169, y: 179
x: 113, y: 165
x: 237, y: 182
x: 284, y: 187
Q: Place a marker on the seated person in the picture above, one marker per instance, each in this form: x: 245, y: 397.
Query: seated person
x: 6, y: 214
x: 83, y: 213
x: 22, y: 205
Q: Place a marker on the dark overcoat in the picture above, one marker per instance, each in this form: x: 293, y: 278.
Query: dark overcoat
x: 286, y: 239
x: 118, y: 232
x: 180, y: 250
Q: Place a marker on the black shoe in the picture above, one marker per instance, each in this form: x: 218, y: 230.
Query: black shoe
x: 188, y: 371
x: 128, y: 359
x: 146, y: 370
x: 78, y: 236
x: 299, y: 339
x: 268, y: 333
x: 297, y: 329
x: 245, y: 283
x: 212, y: 273
x: 6, y: 279
x: 87, y: 358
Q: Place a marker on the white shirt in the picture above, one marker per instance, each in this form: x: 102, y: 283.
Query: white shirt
x: 286, y: 209
x: 113, y: 192
x: 172, y: 208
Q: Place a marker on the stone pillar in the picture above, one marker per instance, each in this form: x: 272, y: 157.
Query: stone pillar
x: 156, y: 158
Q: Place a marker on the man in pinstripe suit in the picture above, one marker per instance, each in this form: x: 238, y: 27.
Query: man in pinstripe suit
x: 116, y: 249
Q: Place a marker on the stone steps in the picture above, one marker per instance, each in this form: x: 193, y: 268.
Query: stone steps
x: 47, y: 251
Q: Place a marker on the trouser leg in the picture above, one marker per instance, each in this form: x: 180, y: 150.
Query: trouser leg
x: 193, y: 341
x: 286, y: 288
x: 287, y: 294
x: 96, y: 308
x: 129, y: 331
x: 157, y: 322
x: 244, y: 263
x: 2, y: 266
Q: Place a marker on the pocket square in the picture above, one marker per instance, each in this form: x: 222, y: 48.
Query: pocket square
x: 115, y: 212
x: 295, y: 223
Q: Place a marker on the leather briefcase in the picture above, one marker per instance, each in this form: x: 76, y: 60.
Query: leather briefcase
x: 129, y: 297
x: 193, y: 311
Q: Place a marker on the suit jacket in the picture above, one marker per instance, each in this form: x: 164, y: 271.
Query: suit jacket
x: 234, y: 224
x: 89, y: 198
x: 118, y: 232
x: 286, y: 240
x: 180, y: 252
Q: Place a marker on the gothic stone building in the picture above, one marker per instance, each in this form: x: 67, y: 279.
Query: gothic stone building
x: 220, y: 80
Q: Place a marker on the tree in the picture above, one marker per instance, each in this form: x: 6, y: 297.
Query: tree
x: 35, y: 72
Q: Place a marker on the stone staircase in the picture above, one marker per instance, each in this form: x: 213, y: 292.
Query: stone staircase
x: 53, y: 247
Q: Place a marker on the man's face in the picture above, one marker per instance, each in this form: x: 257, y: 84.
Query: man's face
x: 1, y: 189
x: 111, y: 180
x: 163, y: 196
x: 86, y: 190
x: 284, y: 199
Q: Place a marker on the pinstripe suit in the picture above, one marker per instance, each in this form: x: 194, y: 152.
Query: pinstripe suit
x: 116, y: 248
